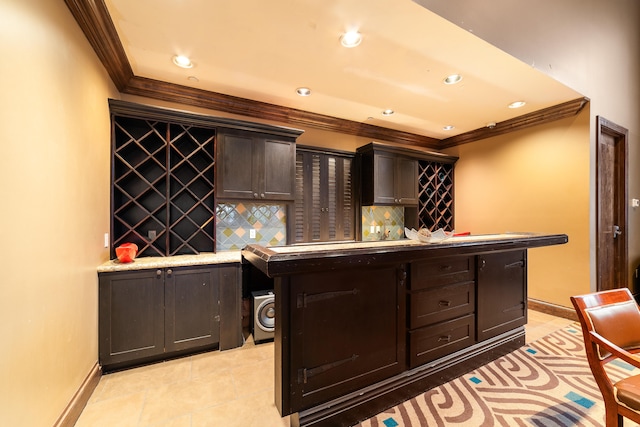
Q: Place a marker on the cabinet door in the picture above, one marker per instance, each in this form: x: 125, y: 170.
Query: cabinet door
x: 277, y: 178
x: 130, y: 316
x: 235, y: 172
x: 384, y: 170
x: 501, y: 293
x: 347, y: 330
x: 406, y: 181
x: 192, y: 312
x: 323, y: 209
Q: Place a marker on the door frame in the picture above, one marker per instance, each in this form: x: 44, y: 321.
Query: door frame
x: 621, y: 136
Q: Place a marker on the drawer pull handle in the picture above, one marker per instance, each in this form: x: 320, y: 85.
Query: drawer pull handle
x: 446, y: 338
x: 444, y: 303
x: 445, y: 267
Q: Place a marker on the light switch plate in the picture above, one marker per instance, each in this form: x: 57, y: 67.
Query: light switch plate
x: 252, y: 233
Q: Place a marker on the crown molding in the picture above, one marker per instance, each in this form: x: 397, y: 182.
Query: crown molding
x: 94, y: 20
x: 546, y: 115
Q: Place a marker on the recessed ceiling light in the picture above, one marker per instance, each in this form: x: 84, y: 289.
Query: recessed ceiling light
x: 448, y: 127
x: 303, y: 91
x: 182, y: 61
x: 517, y: 104
x: 388, y: 112
x: 452, y: 79
x: 351, y: 39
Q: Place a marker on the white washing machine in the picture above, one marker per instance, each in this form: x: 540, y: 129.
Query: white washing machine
x: 264, y: 315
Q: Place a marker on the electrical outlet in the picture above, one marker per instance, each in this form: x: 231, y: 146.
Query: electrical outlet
x: 152, y: 234
x: 635, y: 203
x: 252, y: 233
x: 106, y: 240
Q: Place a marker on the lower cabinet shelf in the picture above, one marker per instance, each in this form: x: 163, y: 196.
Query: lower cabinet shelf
x: 150, y: 315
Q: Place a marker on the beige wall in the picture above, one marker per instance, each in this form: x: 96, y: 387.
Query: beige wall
x: 533, y: 180
x: 54, y: 190
x: 592, y: 46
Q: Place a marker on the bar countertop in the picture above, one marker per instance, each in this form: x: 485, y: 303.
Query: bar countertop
x: 283, y: 260
x: 144, y: 263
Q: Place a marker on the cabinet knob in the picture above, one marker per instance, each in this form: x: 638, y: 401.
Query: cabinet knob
x: 158, y: 273
x: 399, y: 200
x: 262, y: 195
x: 169, y: 272
x: 255, y: 195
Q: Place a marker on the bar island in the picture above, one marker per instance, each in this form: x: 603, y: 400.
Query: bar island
x: 363, y: 326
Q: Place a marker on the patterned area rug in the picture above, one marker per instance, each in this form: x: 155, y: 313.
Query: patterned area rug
x: 545, y: 383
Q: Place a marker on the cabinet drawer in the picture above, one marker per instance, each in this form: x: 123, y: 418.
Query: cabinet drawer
x: 431, y: 342
x: 442, y: 271
x: 438, y: 304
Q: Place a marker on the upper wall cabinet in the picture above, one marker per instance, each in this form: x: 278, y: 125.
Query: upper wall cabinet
x: 162, y: 192
x: 164, y: 171
x: 255, y: 166
x: 324, y: 207
x: 388, y: 176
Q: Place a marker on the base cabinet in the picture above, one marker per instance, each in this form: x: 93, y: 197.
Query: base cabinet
x: 502, y: 292
x: 346, y: 333
x: 149, y: 315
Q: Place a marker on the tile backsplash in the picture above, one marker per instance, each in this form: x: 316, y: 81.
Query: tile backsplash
x: 235, y: 222
x: 380, y: 220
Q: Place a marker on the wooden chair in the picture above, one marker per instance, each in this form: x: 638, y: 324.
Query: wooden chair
x: 611, y: 327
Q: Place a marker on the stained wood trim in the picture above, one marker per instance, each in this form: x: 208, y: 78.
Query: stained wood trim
x: 552, y: 309
x: 546, y: 115
x: 72, y: 412
x: 231, y: 104
x: 94, y: 20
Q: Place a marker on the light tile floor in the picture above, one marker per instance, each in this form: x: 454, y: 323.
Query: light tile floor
x: 216, y: 389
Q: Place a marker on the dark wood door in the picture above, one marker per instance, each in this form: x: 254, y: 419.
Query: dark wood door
x: 235, y: 171
x: 130, y: 316
x: 406, y: 181
x: 348, y: 331
x: 502, y: 292
x: 384, y: 176
x: 611, y: 206
x: 323, y: 210
x: 192, y: 310
x: 277, y: 170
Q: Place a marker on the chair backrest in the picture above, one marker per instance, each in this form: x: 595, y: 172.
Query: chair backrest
x: 613, y: 315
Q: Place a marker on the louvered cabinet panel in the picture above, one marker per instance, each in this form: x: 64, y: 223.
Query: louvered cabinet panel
x: 323, y: 205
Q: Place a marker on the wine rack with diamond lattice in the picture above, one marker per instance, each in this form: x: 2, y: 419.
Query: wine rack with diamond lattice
x: 435, y: 203
x: 163, y: 192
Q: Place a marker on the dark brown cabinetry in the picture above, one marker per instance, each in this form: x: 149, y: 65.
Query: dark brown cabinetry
x: 502, y: 292
x: 255, y: 166
x: 435, y: 203
x: 324, y: 208
x: 163, y: 180
x: 148, y: 315
x: 388, y: 177
x: 441, y: 307
x: 362, y: 325
x: 162, y: 186
x: 348, y: 330
x: 131, y: 316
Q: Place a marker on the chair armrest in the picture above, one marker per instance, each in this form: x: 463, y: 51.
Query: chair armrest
x: 615, y: 350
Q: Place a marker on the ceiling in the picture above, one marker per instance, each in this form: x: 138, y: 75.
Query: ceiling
x: 263, y: 50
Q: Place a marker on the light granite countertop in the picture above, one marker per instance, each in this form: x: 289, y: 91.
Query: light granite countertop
x: 144, y: 263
